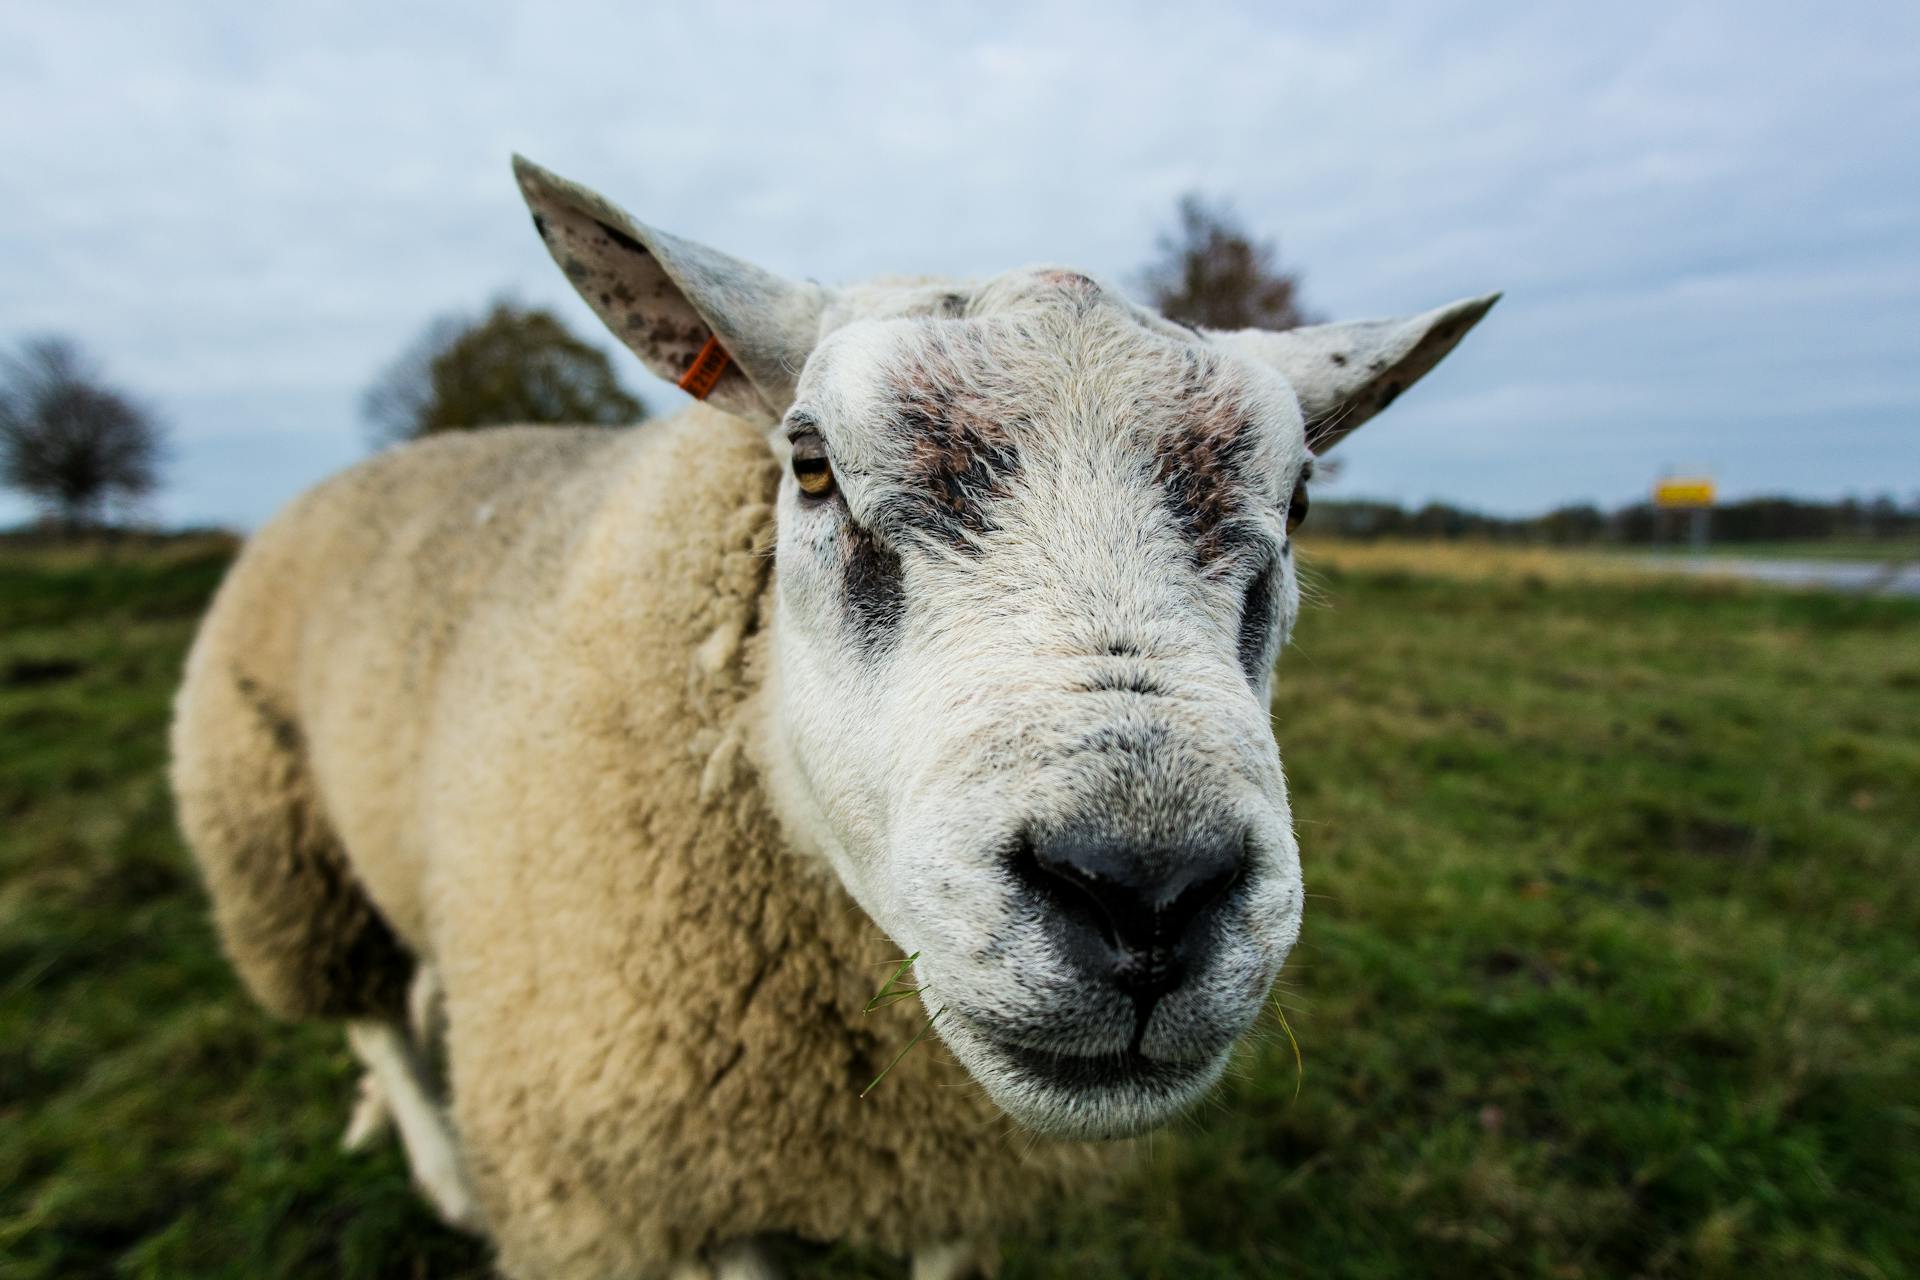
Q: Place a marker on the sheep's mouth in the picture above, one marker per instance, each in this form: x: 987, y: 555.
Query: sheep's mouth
x: 1086, y: 1096
x: 1126, y: 1069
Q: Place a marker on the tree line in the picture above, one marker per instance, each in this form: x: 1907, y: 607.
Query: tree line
x: 1641, y: 524
x: 88, y: 452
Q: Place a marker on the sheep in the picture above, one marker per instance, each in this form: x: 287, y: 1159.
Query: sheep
x: 939, y: 631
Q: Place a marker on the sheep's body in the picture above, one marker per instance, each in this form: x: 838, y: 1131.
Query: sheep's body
x: 520, y: 719
x: 495, y: 702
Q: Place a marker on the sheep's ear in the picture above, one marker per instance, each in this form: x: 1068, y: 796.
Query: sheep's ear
x: 1346, y: 373
x: 723, y: 330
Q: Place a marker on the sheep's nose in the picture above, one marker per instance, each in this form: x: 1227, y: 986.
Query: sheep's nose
x: 1139, y: 918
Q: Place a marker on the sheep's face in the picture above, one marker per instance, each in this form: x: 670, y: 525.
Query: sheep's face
x: 1033, y: 569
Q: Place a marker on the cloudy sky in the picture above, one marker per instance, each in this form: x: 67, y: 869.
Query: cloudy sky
x: 1706, y: 217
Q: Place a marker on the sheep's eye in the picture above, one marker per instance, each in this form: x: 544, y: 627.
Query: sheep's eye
x: 1297, y: 505
x: 812, y: 469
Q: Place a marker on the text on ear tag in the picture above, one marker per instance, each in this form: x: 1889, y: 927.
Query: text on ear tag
x: 703, y: 375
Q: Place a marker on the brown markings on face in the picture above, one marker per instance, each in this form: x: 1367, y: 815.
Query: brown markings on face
x: 1199, y: 460
x: 1071, y: 281
x: 960, y: 453
x: 1080, y: 292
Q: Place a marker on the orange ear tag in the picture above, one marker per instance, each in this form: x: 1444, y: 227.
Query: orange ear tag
x: 703, y: 375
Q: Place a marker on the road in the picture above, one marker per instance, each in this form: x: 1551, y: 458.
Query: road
x: 1873, y: 577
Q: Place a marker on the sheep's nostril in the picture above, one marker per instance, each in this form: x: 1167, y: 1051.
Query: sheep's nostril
x: 1068, y: 892
x: 1207, y: 887
x: 1139, y: 917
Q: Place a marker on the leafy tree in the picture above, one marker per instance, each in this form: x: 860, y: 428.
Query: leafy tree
x: 70, y: 442
x: 1210, y: 272
x: 515, y: 365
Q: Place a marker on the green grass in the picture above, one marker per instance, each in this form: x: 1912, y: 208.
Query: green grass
x: 1610, y: 967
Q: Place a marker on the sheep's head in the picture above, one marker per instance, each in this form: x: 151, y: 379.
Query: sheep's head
x: 1034, y: 565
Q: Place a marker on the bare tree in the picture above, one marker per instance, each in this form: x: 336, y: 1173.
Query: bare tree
x: 68, y: 441
x: 514, y: 365
x: 1210, y: 272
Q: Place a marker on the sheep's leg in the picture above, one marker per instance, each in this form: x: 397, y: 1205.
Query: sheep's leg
x: 742, y: 1260
x: 372, y: 1118
x: 426, y: 1014
x: 427, y: 1017
x: 965, y: 1259
x: 433, y: 1153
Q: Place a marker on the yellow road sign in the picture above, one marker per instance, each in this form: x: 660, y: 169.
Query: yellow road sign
x: 1684, y: 491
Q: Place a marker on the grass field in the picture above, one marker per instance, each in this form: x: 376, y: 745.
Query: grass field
x: 1611, y: 967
